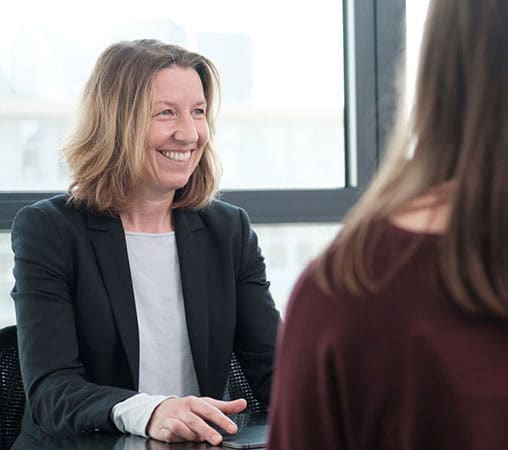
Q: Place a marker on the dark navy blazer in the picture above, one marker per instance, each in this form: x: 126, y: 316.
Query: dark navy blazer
x: 76, y: 316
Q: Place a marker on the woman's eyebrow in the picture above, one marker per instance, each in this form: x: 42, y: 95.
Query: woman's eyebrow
x: 168, y: 103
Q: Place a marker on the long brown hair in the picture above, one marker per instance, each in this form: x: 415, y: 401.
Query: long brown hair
x: 457, y: 131
x: 106, y: 151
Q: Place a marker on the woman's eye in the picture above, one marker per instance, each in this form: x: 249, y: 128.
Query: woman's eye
x: 167, y: 112
x: 199, y: 111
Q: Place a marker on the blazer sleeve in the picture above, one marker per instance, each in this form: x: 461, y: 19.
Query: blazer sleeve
x: 257, y: 317
x: 60, y: 399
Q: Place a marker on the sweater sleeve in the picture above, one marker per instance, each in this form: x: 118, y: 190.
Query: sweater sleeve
x: 132, y: 415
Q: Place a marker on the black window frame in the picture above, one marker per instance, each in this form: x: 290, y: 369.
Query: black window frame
x: 373, y: 37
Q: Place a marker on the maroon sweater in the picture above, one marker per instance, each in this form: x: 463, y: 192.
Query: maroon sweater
x: 402, y: 369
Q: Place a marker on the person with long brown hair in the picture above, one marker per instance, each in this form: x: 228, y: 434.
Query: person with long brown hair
x: 396, y: 336
x: 134, y: 289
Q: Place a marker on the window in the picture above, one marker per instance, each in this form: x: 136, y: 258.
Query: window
x: 415, y: 15
x: 281, y: 122
x: 301, y: 120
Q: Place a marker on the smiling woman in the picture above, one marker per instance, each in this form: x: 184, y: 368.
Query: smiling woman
x: 142, y: 283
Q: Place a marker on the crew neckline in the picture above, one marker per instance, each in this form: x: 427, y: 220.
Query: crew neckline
x: 143, y: 234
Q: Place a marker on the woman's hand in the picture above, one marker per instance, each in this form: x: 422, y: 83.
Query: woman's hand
x: 185, y: 419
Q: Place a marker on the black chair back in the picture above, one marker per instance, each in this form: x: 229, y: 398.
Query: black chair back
x: 12, y: 397
x: 239, y: 387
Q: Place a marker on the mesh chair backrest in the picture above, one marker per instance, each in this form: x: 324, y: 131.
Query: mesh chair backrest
x: 12, y: 397
x: 239, y: 387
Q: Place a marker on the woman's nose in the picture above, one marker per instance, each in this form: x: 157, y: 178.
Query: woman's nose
x: 186, y: 130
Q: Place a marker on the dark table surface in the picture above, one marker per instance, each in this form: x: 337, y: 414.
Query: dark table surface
x: 104, y: 441
x: 118, y: 442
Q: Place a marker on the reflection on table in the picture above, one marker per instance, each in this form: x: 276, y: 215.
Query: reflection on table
x: 118, y: 442
x: 246, y: 422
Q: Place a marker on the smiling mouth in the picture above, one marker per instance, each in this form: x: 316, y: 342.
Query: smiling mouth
x: 176, y: 156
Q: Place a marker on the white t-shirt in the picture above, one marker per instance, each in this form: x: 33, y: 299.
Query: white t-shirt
x: 166, y: 367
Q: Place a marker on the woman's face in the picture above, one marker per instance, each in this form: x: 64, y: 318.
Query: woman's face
x: 178, y: 130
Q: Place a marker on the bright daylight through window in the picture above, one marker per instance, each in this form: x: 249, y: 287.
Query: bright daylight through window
x: 282, y: 103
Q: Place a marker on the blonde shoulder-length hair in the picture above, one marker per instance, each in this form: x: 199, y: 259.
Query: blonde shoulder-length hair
x: 105, y: 152
x: 457, y: 132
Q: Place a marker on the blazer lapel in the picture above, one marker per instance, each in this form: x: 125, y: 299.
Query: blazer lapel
x: 108, y: 241
x: 190, y: 235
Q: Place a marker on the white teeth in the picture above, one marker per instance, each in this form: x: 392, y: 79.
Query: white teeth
x: 177, y: 156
